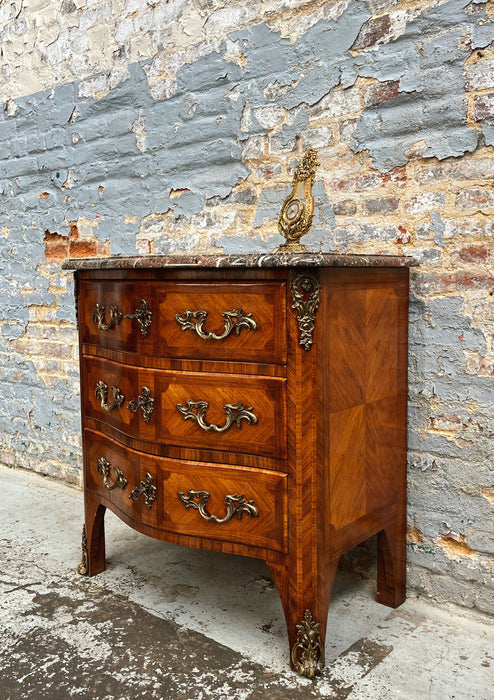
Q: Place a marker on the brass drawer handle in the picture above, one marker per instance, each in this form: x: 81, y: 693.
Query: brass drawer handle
x: 235, y: 504
x: 99, y: 317
x: 147, y: 489
x: 104, y: 469
x: 230, y: 411
x: 194, y: 321
x: 144, y: 402
x: 142, y: 315
x: 102, y: 394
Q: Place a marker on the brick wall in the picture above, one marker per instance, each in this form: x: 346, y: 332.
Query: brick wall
x: 174, y: 126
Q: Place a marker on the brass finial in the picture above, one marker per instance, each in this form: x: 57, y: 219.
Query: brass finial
x: 296, y: 214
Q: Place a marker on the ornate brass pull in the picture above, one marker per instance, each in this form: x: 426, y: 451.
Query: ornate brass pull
x: 99, y: 317
x: 194, y: 321
x: 235, y: 504
x: 144, y: 402
x: 147, y: 489
x: 104, y: 469
x: 143, y: 316
x: 102, y: 394
x: 231, y: 417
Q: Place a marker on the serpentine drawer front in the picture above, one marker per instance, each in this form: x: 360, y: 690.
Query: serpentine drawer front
x: 235, y: 413
x: 229, y: 322
x: 217, y: 501
x: 254, y: 405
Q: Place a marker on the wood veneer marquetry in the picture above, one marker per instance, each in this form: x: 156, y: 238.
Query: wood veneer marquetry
x: 325, y: 461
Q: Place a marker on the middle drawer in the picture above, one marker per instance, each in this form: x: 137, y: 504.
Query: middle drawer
x: 233, y: 413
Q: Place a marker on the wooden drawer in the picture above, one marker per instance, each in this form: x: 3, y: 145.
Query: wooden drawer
x: 214, y: 501
x: 251, y: 503
x: 111, y: 471
x: 231, y: 413
x: 242, y: 321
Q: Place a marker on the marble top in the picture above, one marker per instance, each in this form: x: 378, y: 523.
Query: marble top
x: 251, y: 260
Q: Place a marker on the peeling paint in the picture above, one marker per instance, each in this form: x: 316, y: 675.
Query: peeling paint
x: 455, y: 545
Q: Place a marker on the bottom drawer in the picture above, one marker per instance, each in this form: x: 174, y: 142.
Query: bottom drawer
x: 199, y: 499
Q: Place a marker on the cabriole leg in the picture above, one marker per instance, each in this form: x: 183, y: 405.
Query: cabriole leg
x: 306, y: 614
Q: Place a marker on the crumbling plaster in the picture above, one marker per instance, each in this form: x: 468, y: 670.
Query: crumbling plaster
x: 168, y: 127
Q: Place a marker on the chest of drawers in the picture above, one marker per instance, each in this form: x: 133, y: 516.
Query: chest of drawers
x: 254, y: 405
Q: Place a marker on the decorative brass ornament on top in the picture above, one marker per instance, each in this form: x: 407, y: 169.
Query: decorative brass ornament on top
x: 296, y: 214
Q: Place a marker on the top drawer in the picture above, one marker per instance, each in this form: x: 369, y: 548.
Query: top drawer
x: 200, y: 320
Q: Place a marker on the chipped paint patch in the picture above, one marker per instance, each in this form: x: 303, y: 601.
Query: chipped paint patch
x: 488, y: 493
x: 455, y: 545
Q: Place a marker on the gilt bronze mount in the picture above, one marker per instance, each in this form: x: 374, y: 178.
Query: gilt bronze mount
x: 103, y: 468
x: 101, y: 393
x: 99, y: 317
x: 305, y: 290
x: 83, y: 568
x: 143, y: 316
x: 234, y: 412
x: 296, y: 214
x: 147, y: 489
x: 194, y: 321
x: 308, y: 651
x: 235, y: 505
x: 145, y: 402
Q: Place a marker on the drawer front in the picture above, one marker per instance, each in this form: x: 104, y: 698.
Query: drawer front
x: 255, y: 332
x: 213, y: 501
x: 235, y: 504
x: 219, y: 320
x: 113, y: 315
x: 231, y: 413
x: 114, y: 472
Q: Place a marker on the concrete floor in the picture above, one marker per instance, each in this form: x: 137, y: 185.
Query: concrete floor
x: 173, y: 623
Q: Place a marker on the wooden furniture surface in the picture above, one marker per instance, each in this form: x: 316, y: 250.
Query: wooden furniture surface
x: 254, y: 405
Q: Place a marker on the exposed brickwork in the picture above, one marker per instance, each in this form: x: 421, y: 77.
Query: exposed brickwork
x: 171, y: 127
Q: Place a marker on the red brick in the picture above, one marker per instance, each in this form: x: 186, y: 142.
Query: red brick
x: 476, y: 364
x: 465, y: 169
x: 475, y: 198
x: 374, y: 29
x: 483, y: 106
x: 460, y: 281
x: 479, y: 75
x: 473, y: 254
x: 403, y: 236
x: 51, y: 349
x: 371, y: 181
x: 346, y: 207
x: 382, y: 205
x: 426, y: 201
x: 396, y: 177
x: 357, y: 183
x: 57, y: 252
x: 83, y: 249
x: 380, y: 92
x: 53, y: 237
x: 469, y: 228
x: 74, y: 232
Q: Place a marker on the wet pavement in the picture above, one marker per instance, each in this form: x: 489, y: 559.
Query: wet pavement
x: 172, y: 623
